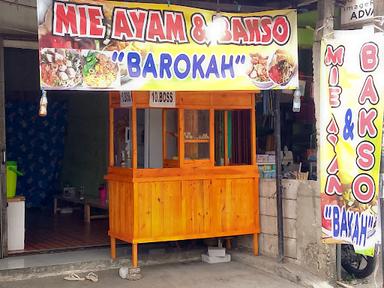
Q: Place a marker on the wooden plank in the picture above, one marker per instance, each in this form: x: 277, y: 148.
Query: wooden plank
x: 141, y: 99
x: 194, y: 236
x: 144, y: 209
x: 157, y: 210
x: 227, y: 206
x: 164, y: 125
x: 256, y: 244
x: 111, y: 131
x: 181, y: 138
x: 253, y: 132
x: 184, y: 208
x: 189, y: 189
x: 226, y: 159
x: 256, y: 205
x: 113, y: 248
x: 211, y: 136
x: 172, y: 207
x: 134, y: 259
x: 134, y: 138
x: 245, y: 170
x: 207, y: 205
x: 197, y: 199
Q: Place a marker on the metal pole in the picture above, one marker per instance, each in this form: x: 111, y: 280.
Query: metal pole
x: 279, y: 192
x: 338, y: 262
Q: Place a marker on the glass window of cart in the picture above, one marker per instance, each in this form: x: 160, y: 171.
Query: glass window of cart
x: 157, y: 138
x: 122, y: 123
x: 196, y: 134
x: 232, y: 137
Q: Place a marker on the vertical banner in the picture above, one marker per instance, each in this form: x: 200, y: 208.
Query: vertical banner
x: 351, y: 108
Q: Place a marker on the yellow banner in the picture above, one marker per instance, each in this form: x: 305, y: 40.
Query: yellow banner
x: 350, y: 138
x: 97, y: 45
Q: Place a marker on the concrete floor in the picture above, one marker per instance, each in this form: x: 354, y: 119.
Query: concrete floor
x: 181, y: 275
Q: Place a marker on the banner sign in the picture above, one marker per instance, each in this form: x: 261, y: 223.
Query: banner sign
x: 350, y: 138
x: 96, y: 45
x: 356, y: 11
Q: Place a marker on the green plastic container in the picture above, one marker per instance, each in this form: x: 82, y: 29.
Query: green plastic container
x: 12, y: 174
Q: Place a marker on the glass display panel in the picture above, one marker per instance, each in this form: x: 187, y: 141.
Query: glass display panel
x: 239, y: 137
x: 196, y: 134
x: 196, y: 151
x: 171, y: 134
x: 122, y: 137
x: 196, y: 125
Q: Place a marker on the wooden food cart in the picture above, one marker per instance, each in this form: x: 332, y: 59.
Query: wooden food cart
x: 200, y: 190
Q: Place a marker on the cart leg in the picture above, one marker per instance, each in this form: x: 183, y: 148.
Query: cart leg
x: 228, y: 244
x: 113, y: 248
x: 256, y: 244
x: 134, y: 256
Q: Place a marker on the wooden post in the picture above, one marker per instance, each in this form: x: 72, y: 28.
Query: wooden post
x: 134, y: 137
x: 181, y: 137
x: 164, y: 125
x: 212, y: 137
x: 113, y: 248
x: 134, y: 256
x: 256, y: 244
x: 253, y: 131
x: 226, y: 159
x: 111, y: 131
x: 228, y: 244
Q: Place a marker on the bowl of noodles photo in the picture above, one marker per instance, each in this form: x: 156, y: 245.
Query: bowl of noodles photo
x: 99, y: 71
x: 60, y: 68
x: 258, y: 71
x: 281, y: 67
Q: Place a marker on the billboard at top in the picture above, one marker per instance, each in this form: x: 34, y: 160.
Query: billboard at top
x: 111, y: 45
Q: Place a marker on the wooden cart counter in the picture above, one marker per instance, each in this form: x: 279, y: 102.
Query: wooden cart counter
x: 208, y: 184
x: 177, y: 205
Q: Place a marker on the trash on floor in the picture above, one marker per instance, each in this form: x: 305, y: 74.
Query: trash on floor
x: 130, y: 273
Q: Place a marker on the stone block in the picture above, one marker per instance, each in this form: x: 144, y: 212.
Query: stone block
x: 215, y: 259
x: 268, y: 225
x: 267, y: 188
x: 268, y: 206
x: 268, y: 245
x: 290, y: 188
x: 290, y: 209
x: 290, y: 228
x: 290, y: 248
x: 216, y: 252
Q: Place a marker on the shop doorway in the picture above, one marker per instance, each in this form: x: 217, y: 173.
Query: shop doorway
x: 63, y: 158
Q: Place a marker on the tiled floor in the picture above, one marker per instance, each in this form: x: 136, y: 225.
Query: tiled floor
x: 45, y: 232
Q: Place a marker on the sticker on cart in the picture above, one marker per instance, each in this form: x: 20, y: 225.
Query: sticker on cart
x: 125, y: 99
x: 162, y: 99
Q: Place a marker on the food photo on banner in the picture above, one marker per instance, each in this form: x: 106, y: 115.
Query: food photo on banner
x: 110, y: 45
x: 351, y: 137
